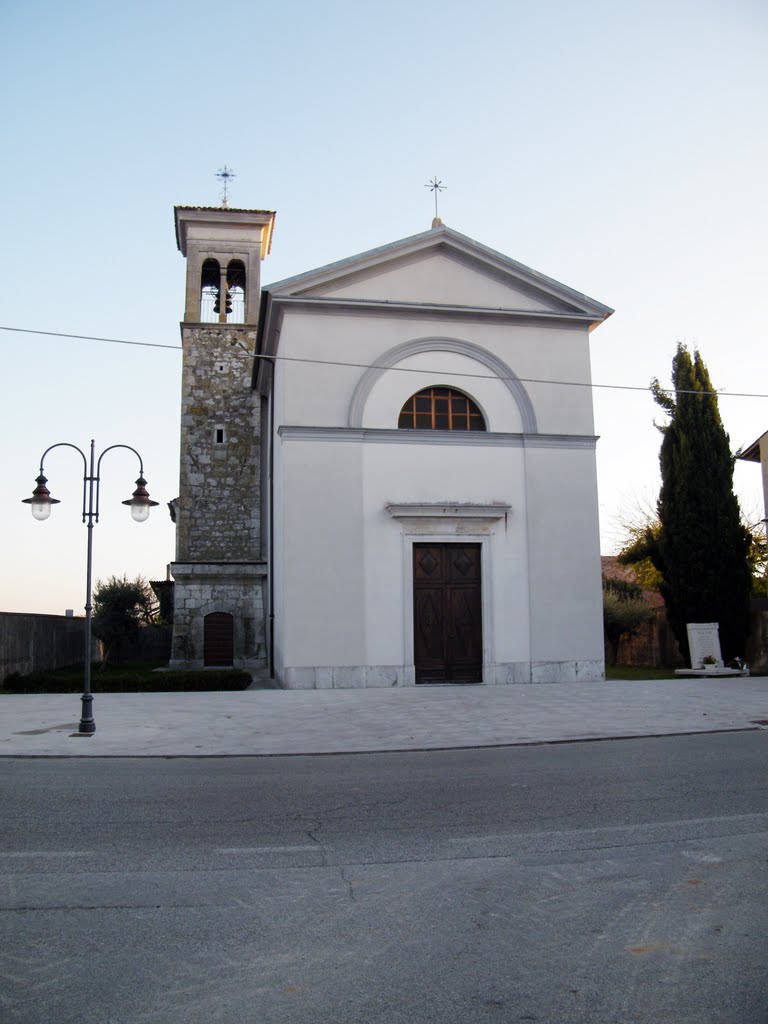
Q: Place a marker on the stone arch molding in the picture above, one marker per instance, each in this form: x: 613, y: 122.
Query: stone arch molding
x: 228, y: 607
x: 397, y: 354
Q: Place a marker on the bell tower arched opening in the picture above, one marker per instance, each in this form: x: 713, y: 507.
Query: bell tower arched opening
x: 236, y: 292
x: 210, y: 276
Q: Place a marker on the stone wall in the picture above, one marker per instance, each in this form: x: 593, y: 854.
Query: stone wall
x: 219, y: 562
x: 218, y: 510
x: 37, y: 643
x: 238, y: 590
x: 151, y: 643
x: 757, y: 644
x: 655, y: 643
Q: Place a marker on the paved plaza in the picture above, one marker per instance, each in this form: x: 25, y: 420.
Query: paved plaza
x: 268, y: 722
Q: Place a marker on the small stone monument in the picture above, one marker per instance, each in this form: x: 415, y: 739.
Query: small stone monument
x: 704, y: 642
x: 706, y: 656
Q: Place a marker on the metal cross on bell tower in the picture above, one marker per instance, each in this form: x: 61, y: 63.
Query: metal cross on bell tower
x: 436, y: 186
x: 225, y: 175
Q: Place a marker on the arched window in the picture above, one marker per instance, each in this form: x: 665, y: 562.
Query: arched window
x: 440, y: 409
x: 209, y: 291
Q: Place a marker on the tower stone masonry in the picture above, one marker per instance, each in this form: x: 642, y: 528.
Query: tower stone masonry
x: 220, y: 569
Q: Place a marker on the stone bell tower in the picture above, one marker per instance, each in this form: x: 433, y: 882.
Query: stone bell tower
x: 220, y: 569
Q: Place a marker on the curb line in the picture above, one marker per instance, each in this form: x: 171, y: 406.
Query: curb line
x: 385, y: 750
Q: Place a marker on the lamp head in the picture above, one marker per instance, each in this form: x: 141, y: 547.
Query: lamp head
x: 41, y: 500
x: 140, y: 501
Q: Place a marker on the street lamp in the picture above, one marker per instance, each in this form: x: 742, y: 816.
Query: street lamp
x: 41, y: 502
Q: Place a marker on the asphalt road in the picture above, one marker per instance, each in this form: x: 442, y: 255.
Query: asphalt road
x: 609, y: 883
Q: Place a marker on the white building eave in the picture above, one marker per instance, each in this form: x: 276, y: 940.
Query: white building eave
x: 425, y: 311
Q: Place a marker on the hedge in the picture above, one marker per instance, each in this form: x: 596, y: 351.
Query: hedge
x: 131, y: 682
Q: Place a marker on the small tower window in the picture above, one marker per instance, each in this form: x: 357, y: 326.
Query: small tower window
x: 235, y: 292
x: 440, y: 409
x: 219, y: 435
x: 209, y: 291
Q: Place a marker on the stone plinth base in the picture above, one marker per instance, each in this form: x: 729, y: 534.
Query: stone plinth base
x: 327, y: 677
x: 705, y: 672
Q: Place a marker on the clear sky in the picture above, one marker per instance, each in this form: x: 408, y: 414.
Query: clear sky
x: 619, y: 148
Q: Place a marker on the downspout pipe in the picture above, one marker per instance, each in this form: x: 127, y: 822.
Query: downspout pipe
x: 271, y: 554
x: 263, y: 377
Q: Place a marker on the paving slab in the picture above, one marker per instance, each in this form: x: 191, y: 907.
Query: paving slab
x: 270, y: 722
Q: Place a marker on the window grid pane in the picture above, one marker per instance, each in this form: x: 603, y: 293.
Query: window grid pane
x: 440, y: 409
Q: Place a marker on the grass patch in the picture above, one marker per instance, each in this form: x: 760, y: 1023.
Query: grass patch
x: 638, y: 672
x: 137, y: 678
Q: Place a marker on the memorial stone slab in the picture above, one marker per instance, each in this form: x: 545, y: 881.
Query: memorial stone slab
x: 704, y: 641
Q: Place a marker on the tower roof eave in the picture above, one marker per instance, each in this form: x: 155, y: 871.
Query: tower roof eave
x: 752, y: 452
x: 183, y: 215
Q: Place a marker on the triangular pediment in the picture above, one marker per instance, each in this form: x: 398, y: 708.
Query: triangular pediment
x: 440, y: 268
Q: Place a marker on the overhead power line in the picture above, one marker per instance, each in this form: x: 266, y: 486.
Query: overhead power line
x: 402, y: 369
x: 88, y: 337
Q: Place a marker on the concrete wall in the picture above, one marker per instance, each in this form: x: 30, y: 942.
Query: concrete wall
x: 36, y: 643
x: 439, y: 278
x: 39, y: 643
x: 343, y: 597
x: 345, y: 590
x: 312, y: 394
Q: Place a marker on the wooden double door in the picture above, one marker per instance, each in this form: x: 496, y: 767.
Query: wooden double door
x: 447, y: 619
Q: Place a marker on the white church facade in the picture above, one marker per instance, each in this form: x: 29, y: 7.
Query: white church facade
x: 385, y: 481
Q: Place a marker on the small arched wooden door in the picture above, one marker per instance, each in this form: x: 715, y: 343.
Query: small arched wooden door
x: 218, y: 639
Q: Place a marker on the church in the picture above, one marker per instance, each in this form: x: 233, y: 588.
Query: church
x: 387, y: 465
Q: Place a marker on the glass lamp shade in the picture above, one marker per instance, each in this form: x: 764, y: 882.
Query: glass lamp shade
x: 139, y: 513
x: 41, y: 510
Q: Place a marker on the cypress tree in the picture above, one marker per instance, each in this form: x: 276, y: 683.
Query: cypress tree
x: 702, y: 548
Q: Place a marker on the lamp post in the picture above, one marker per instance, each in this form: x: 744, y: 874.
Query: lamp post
x: 41, y: 502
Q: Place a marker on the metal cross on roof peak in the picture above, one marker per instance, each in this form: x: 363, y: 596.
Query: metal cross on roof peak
x: 225, y: 175
x: 436, y: 186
